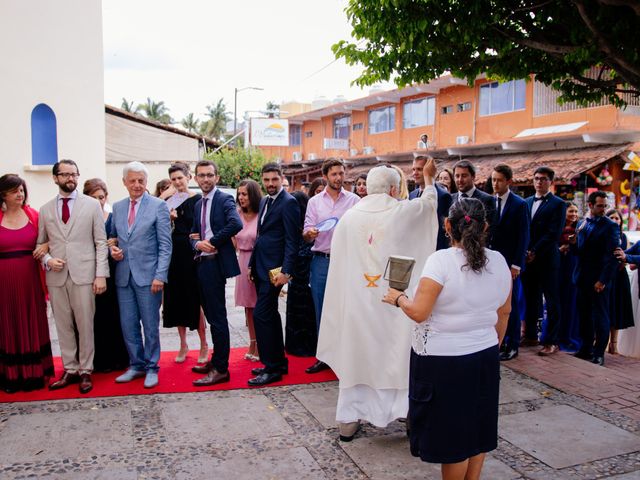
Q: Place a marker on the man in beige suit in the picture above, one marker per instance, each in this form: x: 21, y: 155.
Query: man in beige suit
x: 73, y: 225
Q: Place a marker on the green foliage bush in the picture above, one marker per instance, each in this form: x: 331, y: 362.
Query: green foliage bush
x: 235, y: 165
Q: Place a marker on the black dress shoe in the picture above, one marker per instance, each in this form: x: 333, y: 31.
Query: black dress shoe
x: 261, y: 370
x: 264, y: 379
x: 317, y: 367
x: 203, y: 369
x: 583, y: 355
x: 598, y: 361
x: 508, y: 355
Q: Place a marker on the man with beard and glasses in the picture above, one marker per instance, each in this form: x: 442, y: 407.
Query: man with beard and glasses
x: 332, y: 202
x: 77, y: 267
x: 270, y: 267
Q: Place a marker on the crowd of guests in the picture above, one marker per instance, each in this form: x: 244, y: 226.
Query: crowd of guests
x: 532, y: 273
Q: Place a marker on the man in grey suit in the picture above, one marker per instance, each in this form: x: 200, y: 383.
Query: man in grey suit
x: 73, y: 226
x: 142, y: 228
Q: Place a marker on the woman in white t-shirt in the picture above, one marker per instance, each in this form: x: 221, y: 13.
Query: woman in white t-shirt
x: 461, y: 308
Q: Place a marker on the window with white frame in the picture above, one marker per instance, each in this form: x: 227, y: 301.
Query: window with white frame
x: 295, y: 135
x: 382, y: 119
x: 418, y: 113
x: 341, y: 126
x: 496, y: 97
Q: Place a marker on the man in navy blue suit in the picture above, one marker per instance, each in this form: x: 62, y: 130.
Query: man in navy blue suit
x: 542, y: 273
x: 464, y: 174
x: 279, y: 230
x: 511, y: 239
x: 216, y: 220
x: 597, y: 239
x: 444, y: 198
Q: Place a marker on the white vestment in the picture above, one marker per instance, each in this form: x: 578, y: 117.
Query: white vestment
x: 366, y: 342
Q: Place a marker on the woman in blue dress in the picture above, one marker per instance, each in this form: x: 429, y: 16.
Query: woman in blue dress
x: 569, y: 334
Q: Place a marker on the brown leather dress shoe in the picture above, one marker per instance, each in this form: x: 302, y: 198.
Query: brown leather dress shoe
x: 212, y: 378
x: 548, y: 350
x: 65, y: 380
x: 85, y: 383
x: 203, y: 369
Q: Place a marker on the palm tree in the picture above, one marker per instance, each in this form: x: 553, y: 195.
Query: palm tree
x: 190, y: 123
x: 156, y: 111
x: 216, y: 125
x: 273, y: 109
x: 129, y: 106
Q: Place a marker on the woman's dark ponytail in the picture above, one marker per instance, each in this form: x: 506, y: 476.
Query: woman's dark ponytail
x: 468, y: 228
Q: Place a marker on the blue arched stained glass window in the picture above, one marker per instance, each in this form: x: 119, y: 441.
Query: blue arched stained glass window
x: 44, y: 136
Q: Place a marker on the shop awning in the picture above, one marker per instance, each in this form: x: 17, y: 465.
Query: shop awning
x: 567, y: 164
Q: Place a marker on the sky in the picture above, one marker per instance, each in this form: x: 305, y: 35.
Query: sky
x: 193, y: 52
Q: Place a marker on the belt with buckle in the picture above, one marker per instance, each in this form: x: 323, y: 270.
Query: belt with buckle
x: 322, y: 254
x: 204, y: 258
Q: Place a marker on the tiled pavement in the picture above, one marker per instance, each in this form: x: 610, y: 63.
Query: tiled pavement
x: 560, y: 418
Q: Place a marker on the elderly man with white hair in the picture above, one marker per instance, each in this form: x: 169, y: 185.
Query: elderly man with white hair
x: 368, y: 343
x: 142, y: 228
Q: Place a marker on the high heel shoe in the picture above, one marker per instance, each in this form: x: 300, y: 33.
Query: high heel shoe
x: 252, y: 356
x: 182, y: 355
x: 613, y: 347
x: 204, y: 354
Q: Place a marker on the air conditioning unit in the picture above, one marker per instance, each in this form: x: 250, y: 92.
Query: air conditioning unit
x: 297, y: 156
x: 462, y: 140
x: 367, y: 150
x: 353, y: 152
x: 312, y: 156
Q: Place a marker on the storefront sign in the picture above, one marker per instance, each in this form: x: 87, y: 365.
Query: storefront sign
x: 270, y: 132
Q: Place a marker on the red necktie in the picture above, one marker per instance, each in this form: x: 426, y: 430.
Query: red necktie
x: 132, y: 213
x: 203, y: 220
x: 65, y: 210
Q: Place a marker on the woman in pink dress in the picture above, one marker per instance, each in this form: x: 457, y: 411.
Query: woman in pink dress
x: 248, y: 199
x: 25, y: 349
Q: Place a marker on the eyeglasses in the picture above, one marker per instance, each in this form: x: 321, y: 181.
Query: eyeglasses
x: 206, y: 175
x: 68, y: 175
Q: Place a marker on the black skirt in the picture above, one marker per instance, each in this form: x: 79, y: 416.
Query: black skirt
x: 453, y: 405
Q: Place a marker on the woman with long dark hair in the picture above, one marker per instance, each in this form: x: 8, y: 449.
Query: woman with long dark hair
x: 110, y: 349
x: 620, y: 306
x: 248, y: 196
x: 461, y: 308
x: 317, y: 186
x: 25, y: 348
x: 360, y: 185
x: 569, y: 330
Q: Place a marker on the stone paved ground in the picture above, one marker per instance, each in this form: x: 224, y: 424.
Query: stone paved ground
x: 560, y: 418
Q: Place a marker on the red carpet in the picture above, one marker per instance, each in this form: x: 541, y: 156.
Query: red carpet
x: 174, y: 378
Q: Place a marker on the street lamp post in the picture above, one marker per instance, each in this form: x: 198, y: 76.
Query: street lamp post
x: 235, y: 105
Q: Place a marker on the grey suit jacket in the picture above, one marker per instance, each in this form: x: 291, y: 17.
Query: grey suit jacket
x: 81, y: 242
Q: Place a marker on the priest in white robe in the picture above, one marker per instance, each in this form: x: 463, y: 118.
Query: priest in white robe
x: 366, y: 342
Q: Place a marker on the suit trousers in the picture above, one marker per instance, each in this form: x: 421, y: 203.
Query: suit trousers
x: 512, y: 335
x: 211, y: 283
x: 318, y: 283
x: 268, y: 325
x: 542, y: 278
x: 73, y: 309
x: 593, y: 312
x: 138, y: 305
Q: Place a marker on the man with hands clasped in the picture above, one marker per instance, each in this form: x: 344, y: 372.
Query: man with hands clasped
x: 77, y: 267
x: 142, y: 228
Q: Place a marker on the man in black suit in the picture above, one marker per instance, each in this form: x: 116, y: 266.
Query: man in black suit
x: 511, y: 239
x: 216, y: 220
x: 597, y: 239
x: 279, y: 227
x: 542, y: 272
x: 464, y: 174
x: 444, y: 198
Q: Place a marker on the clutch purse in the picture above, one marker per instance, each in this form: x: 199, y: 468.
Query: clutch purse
x: 273, y: 273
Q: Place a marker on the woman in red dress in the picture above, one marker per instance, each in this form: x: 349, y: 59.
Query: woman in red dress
x: 25, y: 349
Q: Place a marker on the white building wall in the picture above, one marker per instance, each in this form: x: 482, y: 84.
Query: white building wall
x: 51, y: 52
x: 127, y: 141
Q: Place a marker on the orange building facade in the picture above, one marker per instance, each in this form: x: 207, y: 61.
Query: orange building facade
x: 518, y: 122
